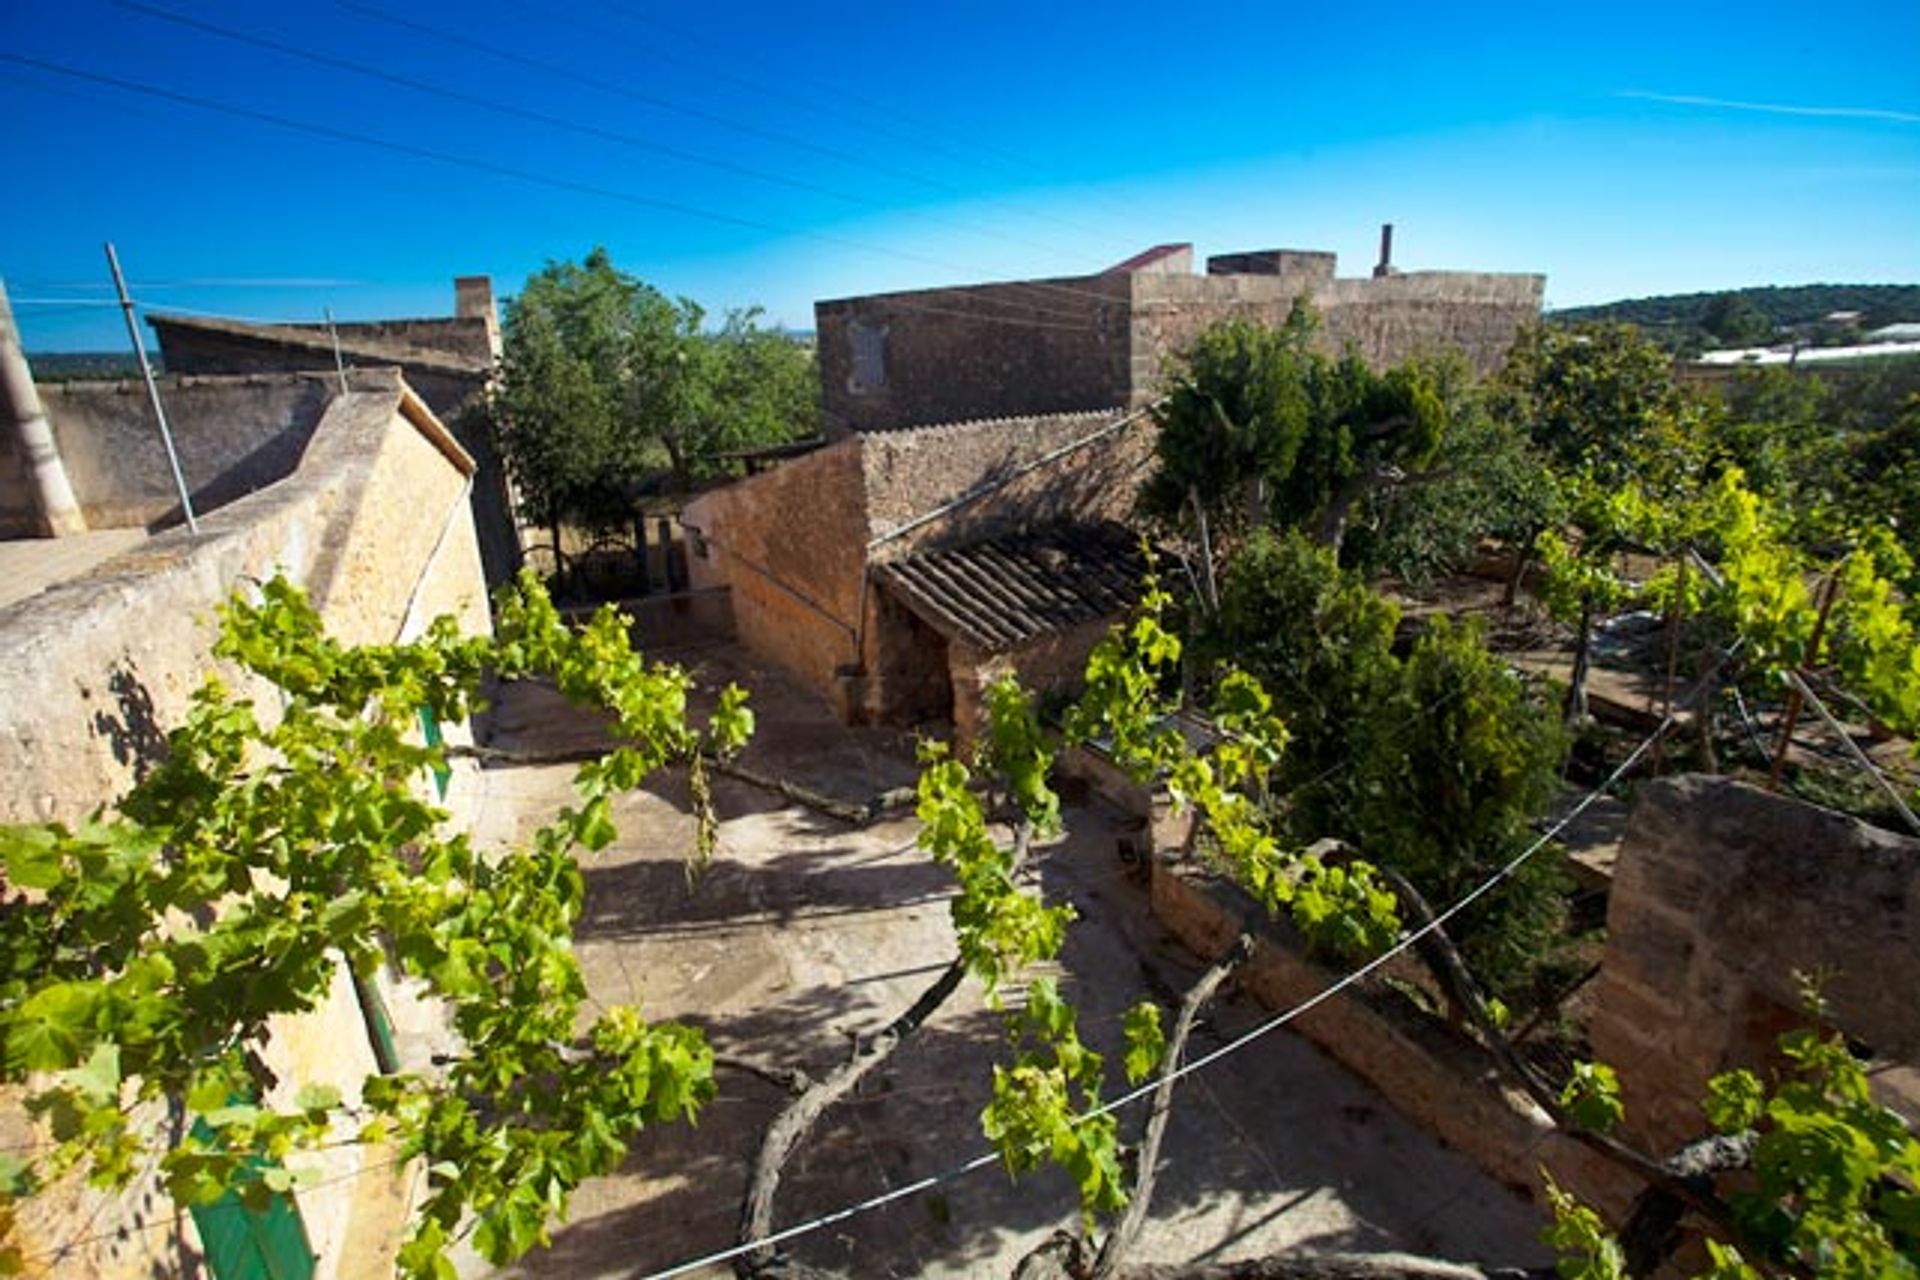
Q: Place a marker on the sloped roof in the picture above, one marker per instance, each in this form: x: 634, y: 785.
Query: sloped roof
x: 1003, y: 591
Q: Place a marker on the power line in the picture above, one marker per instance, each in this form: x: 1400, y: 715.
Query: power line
x: 876, y: 116
x: 667, y: 104
x: 1406, y: 943
x: 481, y: 165
x: 672, y: 105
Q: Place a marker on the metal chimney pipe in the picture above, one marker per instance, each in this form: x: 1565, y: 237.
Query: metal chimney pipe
x: 1385, y: 265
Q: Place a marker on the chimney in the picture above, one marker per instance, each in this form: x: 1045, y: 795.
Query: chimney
x: 473, y: 300
x: 1385, y: 266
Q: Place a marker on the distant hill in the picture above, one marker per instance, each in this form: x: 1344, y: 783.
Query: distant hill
x: 71, y: 366
x: 1734, y: 317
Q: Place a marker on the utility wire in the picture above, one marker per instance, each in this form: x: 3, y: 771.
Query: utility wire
x: 667, y: 104
x: 1407, y: 942
x: 878, y: 117
x: 493, y: 168
x: 519, y: 113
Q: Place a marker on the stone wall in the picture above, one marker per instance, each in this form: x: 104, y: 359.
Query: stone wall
x: 1392, y: 317
x: 793, y: 544
x: 790, y: 544
x: 1386, y: 318
x: 911, y: 473
x: 1721, y: 894
x: 1438, y: 1078
x: 94, y: 672
x: 1089, y: 342
x: 233, y: 436
x: 946, y: 355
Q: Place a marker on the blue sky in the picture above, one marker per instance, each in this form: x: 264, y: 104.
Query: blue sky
x: 775, y: 154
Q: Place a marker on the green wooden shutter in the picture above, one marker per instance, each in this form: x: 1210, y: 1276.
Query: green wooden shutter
x: 249, y: 1244
x: 430, y: 730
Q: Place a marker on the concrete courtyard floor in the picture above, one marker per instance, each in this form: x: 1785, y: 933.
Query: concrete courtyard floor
x: 803, y: 934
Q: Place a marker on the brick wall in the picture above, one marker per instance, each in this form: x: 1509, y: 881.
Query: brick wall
x: 1721, y: 894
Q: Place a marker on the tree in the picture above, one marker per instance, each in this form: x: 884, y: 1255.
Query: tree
x: 1320, y: 641
x: 1598, y: 397
x: 1736, y: 320
x: 1487, y: 480
x: 606, y: 381
x: 145, y: 951
x: 573, y: 342
x: 1454, y: 762
x: 1258, y: 427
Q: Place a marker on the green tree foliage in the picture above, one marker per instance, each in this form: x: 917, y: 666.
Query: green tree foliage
x: 1320, y: 641
x: 1598, y: 399
x: 1486, y: 481
x: 1434, y: 765
x: 1736, y: 320
x: 1454, y: 760
x: 1259, y: 427
x: 606, y: 381
x: 145, y: 951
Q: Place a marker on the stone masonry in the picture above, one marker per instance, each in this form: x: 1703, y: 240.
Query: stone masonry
x: 1103, y: 341
x: 1722, y: 893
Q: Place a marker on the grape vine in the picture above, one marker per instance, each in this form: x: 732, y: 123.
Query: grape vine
x: 145, y: 951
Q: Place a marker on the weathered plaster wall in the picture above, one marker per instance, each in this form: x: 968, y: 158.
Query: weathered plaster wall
x: 1045, y: 346
x: 18, y: 506
x: 791, y: 546
x: 94, y: 672
x: 1721, y: 894
x: 233, y: 435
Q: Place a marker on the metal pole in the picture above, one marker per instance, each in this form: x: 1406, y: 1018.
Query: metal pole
x: 153, y: 390
x: 339, y: 364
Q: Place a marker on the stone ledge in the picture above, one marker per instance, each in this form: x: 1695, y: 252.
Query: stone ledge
x: 1440, y: 1080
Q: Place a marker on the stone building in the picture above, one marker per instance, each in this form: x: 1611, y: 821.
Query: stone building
x: 359, y: 496
x: 1102, y: 341
x: 899, y: 573
x: 449, y: 361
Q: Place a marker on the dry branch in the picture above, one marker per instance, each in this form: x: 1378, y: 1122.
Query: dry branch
x: 1121, y: 1239
x: 853, y: 813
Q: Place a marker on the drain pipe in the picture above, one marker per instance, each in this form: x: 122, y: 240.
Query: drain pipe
x: 57, y: 512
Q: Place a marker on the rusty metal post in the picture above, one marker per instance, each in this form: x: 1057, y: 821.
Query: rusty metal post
x: 1794, y: 699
